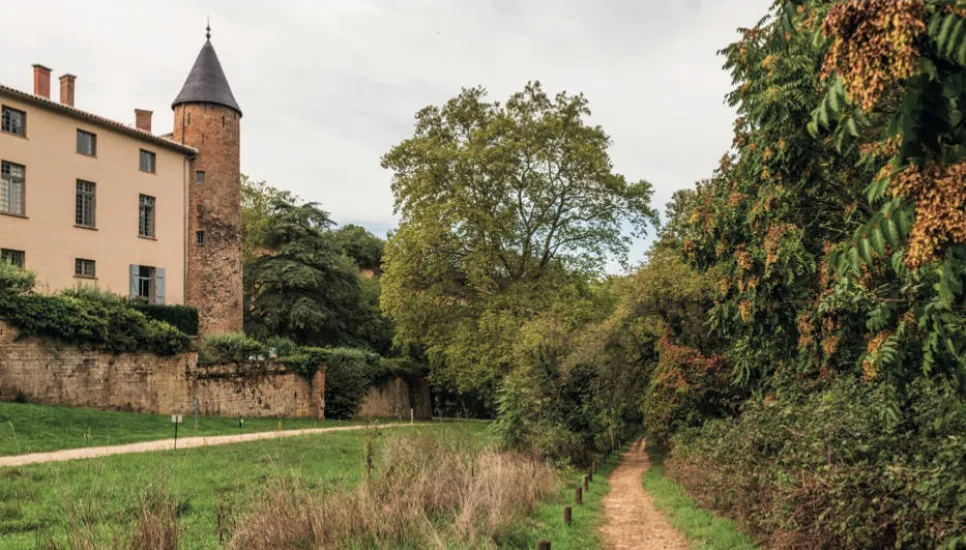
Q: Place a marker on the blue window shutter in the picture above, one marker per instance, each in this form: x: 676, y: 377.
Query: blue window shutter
x: 159, y: 285
x: 134, y: 280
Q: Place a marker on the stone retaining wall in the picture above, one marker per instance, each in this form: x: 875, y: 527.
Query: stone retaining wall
x: 394, y: 398
x: 47, y: 372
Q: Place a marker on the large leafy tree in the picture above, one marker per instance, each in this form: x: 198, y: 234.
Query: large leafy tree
x: 258, y: 208
x: 837, y: 217
x: 360, y: 245
x: 303, y: 287
x: 503, y: 207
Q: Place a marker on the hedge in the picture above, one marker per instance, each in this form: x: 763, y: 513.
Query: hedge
x: 90, y: 324
x: 84, y: 317
x: 853, y: 466
x: 229, y: 347
x: 183, y: 318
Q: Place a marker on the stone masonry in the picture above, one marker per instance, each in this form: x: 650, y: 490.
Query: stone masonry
x: 214, y: 260
x: 51, y: 373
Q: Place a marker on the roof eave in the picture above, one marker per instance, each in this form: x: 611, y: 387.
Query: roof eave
x: 96, y: 120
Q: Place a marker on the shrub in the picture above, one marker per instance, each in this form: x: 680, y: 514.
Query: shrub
x: 349, y: 373
x: 284, y: 347
x: 184, y: 318
x: 90, y: 320
x: 685, y: 389
x: 852, y: 466
x: 15, y: 281
x: 229, y: 347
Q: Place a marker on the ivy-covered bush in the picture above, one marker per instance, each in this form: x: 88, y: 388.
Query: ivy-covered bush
x: 847, y: 467
x: 230, y: 347
x: 349, y: 373
x: 184, y: 318
x: 14, y: 281
x: 86, y: 318
x: 283, y: 347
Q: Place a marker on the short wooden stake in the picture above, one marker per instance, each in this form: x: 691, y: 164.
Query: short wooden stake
x: 568, y: 515
x: 578, y: 496
x: 590, y: 474
x: 586, y: 483
x: 543, y: 545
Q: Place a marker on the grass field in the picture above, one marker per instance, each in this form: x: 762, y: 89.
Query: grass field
x: 547, y: 523
x: 702, y: 528
x: 29, y: 428
x: 38, y: 502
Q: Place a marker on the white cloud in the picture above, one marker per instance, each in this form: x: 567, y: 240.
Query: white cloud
x: 328, y: 86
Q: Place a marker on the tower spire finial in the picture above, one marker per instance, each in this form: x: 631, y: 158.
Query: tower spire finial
x: 208, y: 29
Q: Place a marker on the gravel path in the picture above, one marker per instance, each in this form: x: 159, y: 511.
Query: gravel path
x: 168, y: 444
x: 632, y: 521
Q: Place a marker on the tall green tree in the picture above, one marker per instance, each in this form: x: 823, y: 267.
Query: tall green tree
x: 304, y: 287
x: 503, y: 208
x: 360, y: 245
x: 258, y: 208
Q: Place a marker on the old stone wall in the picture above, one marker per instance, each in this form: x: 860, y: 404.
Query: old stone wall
x: 45, y: 372
x: 394, y: 398
x: 214, y: 248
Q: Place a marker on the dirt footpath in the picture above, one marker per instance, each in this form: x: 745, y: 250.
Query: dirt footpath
x: 632, y: 521
x: 168, y: 444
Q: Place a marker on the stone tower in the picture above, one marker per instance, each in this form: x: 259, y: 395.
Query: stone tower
x: 207, y: 117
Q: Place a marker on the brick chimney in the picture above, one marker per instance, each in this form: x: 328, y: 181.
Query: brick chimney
x: 67, y: 89
x: 41, y: 80
x: 142, y: 119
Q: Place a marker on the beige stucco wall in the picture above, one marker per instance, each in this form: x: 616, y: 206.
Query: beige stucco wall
x: 47, y: 234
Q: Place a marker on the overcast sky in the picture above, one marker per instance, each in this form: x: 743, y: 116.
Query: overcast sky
x: 328, y: 86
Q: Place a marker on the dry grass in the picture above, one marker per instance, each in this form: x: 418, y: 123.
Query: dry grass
x: 156, y: 527
x: 425, y: 494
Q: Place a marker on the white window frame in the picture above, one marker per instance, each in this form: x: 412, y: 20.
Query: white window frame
x: 8, y: 189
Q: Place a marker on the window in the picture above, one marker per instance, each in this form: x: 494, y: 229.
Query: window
x: 86, y: 143
x: 84, y: 209
x: 146, y: 217
x: 200, y: 238
x: 12, y: 257
x: 147, y: 284
x: 14, y: 121
x: 199, y: 176
x: 147, y: 161
x: 84, y: 268
x: 11, y: 188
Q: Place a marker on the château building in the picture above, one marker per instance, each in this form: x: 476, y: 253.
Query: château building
x: 89, y: 200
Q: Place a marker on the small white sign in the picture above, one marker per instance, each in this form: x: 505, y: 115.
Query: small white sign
x: 176, y: 419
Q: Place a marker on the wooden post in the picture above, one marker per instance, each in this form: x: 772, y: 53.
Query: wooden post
x: 590, y: 474
x: 586, y: 483
x: 543, y: 545
x: 568, y: 515
x: 578, y: 496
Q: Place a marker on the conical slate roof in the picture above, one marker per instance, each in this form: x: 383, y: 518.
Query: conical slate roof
x: 206, y: 82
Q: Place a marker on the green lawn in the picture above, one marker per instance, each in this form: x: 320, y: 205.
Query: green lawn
x: 547, y: 523
x: 39, y: 501
x: 28, y: 428
x: 703, y: 529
